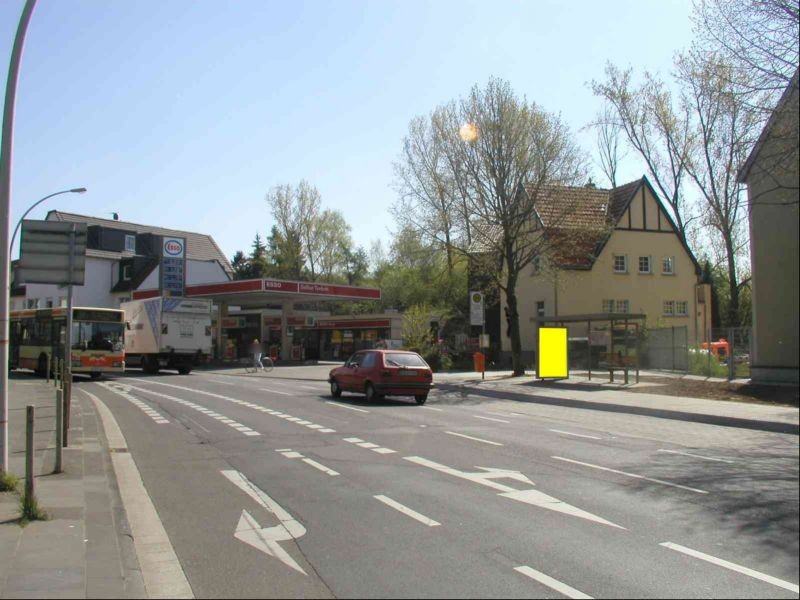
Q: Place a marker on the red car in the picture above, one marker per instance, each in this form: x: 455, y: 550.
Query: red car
x: 379, y: 373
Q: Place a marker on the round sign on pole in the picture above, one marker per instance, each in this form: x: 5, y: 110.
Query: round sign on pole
x: 475, y: 308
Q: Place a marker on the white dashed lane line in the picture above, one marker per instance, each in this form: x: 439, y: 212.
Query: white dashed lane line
x: 271, y: 391
x: 289, y: 453
x: 491, y: 419
x: 345, y: 406
x: 432, y: 408
x: 251, y: 405
x: 633, y: 475
x: 787, y: 585
x: 581, y: 435
x: 407, y: 511
x: 123, y: 391
x: 555, y: 584
x: 369, y: 445
x: 697, y: 456
x: 475, y: 439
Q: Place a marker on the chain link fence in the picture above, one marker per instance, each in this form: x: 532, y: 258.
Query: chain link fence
x: 726, y: 356
x: 665, y: 348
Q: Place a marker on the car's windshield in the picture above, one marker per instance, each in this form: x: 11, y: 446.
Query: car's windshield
x: 404, y: 360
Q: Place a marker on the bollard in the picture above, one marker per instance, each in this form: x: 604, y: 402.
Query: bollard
x: 67, y: 388
x: 55, y: 372
x: 47, y: 372
x: 59, y: 429
x: 29, y: 477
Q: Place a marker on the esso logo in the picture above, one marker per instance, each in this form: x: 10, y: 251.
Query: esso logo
x: 173, y: 248
x: 273, y: 284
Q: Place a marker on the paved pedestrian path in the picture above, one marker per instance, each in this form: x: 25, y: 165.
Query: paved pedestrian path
x: 84, y: 549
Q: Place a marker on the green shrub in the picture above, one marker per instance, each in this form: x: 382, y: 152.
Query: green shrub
x: 8, y: 482
x: 437, y: 360
x: 701, y: 363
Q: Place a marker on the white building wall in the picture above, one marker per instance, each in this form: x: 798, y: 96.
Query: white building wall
x: 94, y: 292
x: 202, y: 271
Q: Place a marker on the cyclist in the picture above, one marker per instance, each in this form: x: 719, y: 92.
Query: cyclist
x: 256, y: 351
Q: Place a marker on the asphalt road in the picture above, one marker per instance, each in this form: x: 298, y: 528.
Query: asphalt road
x: 467, y: 496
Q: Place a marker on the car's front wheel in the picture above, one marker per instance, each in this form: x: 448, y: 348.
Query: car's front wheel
x: 336, y: 391
x: 421, y: 398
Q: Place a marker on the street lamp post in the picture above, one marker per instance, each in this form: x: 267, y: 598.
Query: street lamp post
x: 5, y: 205
x: 19, y: 223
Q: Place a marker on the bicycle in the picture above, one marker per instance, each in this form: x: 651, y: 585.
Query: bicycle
x: 266, y: 363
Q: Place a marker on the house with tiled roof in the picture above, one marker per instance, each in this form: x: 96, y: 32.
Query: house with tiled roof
x: 613, y: 251
x: 122, y: 257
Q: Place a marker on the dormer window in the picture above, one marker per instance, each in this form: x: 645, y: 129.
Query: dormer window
x: 126, y: 272
x: 130, y: 243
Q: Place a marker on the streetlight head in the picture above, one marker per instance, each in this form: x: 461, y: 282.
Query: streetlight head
x: 78, y: 190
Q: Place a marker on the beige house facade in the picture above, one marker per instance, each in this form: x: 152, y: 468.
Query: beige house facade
x: 636, y: 263
x: 773, y: 186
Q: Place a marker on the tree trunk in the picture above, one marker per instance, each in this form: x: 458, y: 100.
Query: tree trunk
x: 516, y: 342
x: 733, y: 305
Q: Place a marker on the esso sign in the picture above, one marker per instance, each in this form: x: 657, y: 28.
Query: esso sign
x: 174, y: 247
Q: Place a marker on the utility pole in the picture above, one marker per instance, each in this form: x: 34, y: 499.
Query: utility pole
x: 5, y: 214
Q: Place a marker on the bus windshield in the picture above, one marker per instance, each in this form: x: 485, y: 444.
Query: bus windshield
x: 87, y: 335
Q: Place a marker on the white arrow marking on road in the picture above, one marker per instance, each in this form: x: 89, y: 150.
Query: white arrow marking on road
x: 533, y: 497
x: 266, y: 539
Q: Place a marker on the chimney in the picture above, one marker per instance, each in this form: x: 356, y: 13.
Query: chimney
x: 590, y: 184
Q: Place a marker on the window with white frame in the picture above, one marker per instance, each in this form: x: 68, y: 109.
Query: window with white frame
x: 644, y: 264
x: 62, y: 301
x: 126, y: 272
x: 608, y: 306
x: 681, y: 308
x: 130, y: 243
x: 536, y: 266
x: 620, y: 263
x: 668, y: 265
x: 623, y: 306
x: 540, y: 308
x: 669, y: 308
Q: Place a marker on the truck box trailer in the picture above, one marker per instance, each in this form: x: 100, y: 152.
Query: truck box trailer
x: 167, y: 333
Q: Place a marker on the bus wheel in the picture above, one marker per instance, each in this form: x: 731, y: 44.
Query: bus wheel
x: 95, y: 375
x: 41, y: 368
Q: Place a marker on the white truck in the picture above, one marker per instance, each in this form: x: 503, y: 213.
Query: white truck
x: 167, y: 332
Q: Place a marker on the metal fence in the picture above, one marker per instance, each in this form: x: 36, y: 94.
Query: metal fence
x: 665, y: 348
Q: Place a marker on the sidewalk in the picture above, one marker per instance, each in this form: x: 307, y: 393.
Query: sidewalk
x: 84, y: 549
x: 579, y: 392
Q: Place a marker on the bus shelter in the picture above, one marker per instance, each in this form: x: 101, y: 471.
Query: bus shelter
x: 618, y: 333
x: 251, y: 294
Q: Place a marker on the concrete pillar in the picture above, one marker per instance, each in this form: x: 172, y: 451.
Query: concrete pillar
x: 286, y: 350
x: 222, y: 312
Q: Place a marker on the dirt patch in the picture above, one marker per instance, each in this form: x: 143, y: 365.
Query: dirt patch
x: 741, y: 392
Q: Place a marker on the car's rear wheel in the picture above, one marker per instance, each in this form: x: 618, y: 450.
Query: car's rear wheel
x: 184, y: 369
x: 421, y: 398
x: 95, y: 375
x: 336, y: 391
x: 371, y: 394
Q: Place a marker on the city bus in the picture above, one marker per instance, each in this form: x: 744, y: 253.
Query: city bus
x: 38, y: 336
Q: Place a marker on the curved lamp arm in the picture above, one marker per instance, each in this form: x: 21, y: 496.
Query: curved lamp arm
x: 19, y: 223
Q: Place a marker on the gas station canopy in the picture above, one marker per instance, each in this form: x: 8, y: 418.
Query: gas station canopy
x: 258, y: 293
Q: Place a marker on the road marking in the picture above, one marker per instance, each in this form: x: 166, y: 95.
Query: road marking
x: 226, y: 399
x: 345, y: 406
x: 353, y: 440
x: 292, y: 454
x: 215, y: 380
x: 384, y: 451
x: 322, y: 468
x: 591, y: 437
x: 487, y: 476
x: 308, y: 387
x: 407, y: 511
x: 469, y: 437
x: 787, y: 585
x: 148, y: 410
x: 221, y: 418
x: 634, y: 475
x: 161, y: 570
x: 275, y: 392
x: 563, y: 588
x: 498, y: 414
x: 432, y: 408
x: 491, y: 419
x: 368, y: 445
x: 266, y: 538
x: 697, y: 456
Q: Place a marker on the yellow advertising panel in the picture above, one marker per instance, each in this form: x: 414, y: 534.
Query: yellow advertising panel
x: 552, y: 353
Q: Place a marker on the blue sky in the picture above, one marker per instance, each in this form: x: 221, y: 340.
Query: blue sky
x: 184, y: 113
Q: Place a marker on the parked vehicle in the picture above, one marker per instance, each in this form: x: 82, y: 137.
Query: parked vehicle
x: 379, y: 373
x: 38, y: 337
x: 167, y: 333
